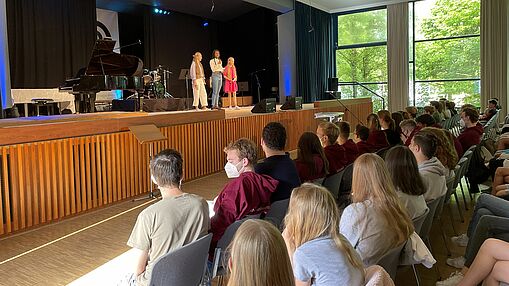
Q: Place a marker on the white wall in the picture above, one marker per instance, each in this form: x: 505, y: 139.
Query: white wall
x: 287, y: 55
x: 5, y: 77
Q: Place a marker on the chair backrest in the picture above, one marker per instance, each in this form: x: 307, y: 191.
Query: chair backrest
x: 346, y: 181
x: 390, y: 260
x: 418, y: 221
x: 184, y: 266
x: 318, y: 181
x: 332, y: 183
x: 277, y: 212
x: 428, y: 222
x: 459, y: 172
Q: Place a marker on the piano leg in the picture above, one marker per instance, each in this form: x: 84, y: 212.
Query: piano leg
x: 91, y: 102
x: 78, y: 99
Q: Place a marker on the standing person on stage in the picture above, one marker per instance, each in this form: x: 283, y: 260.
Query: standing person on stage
x: 198, y: 76
x: 230, y: 84
x: 216, y: 65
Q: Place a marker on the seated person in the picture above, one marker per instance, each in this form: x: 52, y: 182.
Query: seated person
x: 490, y: 219
x: 412, y: 110
x: 424, y: 146
x: 446, y: 153
x: 258, y: 256
x: 361, y: 137
x: 311, y: 161
x: 277, y: 163
x: 490, y: 111
x: 408, y: 130
x: 377, y: 137
x: 447, y: 113
x: 375, y: 222
x: 351, y: 150
x: 473, y: 131
x: 409, y: 184
x: 247, y: 194
x: 312, y: 233
x: 335, y: 153
x: 438, y: 115
x: 426, y: 120
x: 500, y: 187
x: 176, y: 220
x: 388, y: 126
x: 451, y: 107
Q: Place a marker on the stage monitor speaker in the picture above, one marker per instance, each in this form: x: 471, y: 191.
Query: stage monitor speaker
x: 267, y: 105
x: 125, y: 105
x: 332, y: 84
x: 292, y: 103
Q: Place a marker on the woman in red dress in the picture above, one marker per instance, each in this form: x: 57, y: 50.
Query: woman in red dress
x: 230, y: 85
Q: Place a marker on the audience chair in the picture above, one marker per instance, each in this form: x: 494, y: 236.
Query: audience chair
x: 220, y: 260
x: 377, y: 276
x: 457, y: 178
x: 318, y: 181
x: 390, y: 261
x: 277, y: 213
x: 439, y: 211
x: 418, y: 221
x: 468, y: 154
x: 345, y: 187
x: 426, y: 227
x: 184, y: 266
x: 332, y: 183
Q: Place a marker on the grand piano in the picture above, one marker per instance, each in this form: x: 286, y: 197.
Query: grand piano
x: 107, y: 70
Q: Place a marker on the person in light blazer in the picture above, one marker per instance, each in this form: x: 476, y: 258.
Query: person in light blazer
x: 197, y: 74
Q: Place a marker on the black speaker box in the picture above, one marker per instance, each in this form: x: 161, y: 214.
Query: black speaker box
x: 125, y: 105
x: 267, y: 105
x: 332, y: 84
x: 292, y: 103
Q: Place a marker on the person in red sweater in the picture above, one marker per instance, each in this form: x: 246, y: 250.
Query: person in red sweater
x: 377, y: 137
x: 408, y: 129
x: 361, y: 137
x: 351, y: 150
x: 335, y: 153
x: 311, y: 161
x: 247, y: 194
x: 473, y: 131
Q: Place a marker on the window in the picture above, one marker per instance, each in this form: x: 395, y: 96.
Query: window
x: 361, y: 54
x: 445, y: 51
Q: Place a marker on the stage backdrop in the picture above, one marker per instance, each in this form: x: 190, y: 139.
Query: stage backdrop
x: 49, y: 40
x: 107, y: 25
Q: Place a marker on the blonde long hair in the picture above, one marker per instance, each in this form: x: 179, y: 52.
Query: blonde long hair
x: 371, y: 181
x: 313, y: 213
x: 259, y: 256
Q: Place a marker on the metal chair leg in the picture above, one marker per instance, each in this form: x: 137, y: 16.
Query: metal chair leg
x: 459, y: 207
x: 416, y: 275
x: 444, y: 238
x: 463, y: 194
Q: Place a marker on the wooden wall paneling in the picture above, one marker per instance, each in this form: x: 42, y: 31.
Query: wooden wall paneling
x: 99, y: 161
x: 114, y: 167
x: 108, y: 173
x: 52, y: 152
x: 130, y: 165
x: 21, y: 186
x: 5, y: 206
x: 59, y: 180
x: 93, y: 171
x: 27, y: 184
x: 72, y: 182
x: 123, y: 175
x: 48, y: 187
x: 66, y: 188
x: 41, y: 187
x: 137, y: 186
x: 15, y: 188
x: 82, y: 177
x: 35, y: 183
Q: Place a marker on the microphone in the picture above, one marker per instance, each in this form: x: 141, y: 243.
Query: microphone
x: 213, y: 6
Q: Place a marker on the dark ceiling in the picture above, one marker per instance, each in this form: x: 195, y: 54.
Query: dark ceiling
x: 224, y: 10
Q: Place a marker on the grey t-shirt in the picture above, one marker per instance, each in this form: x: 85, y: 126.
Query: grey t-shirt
x: 309, y: 263
x: 167, y: 225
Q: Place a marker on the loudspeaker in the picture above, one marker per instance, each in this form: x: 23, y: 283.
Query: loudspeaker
x: 125, y: 105
x: 292, y: 103
x: 267, y: 105
x: 332, y: 84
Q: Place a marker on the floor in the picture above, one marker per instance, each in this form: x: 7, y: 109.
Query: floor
x: 90, y: 249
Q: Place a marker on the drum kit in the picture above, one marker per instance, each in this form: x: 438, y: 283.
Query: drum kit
x: 157, y: 83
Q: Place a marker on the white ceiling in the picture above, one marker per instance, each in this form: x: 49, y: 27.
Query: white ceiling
x: 334, y: 6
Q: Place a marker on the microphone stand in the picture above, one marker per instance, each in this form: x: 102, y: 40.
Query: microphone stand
x: 187, y: 90
x: 333, y: 95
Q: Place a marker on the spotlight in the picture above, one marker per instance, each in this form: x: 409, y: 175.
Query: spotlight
x: 156, y: 10
x: 205, y: 23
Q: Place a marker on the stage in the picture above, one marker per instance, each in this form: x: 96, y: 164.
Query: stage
x: 53, y: 167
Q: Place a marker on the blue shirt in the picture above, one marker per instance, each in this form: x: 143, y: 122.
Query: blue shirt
x: 335, y: 269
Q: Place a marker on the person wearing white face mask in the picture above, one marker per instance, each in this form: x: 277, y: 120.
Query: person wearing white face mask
x: 248, y: 193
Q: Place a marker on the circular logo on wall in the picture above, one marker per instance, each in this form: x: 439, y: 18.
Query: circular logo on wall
x: 102, y: 31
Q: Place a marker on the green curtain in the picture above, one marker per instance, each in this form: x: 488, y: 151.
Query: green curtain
x: 315, y: 52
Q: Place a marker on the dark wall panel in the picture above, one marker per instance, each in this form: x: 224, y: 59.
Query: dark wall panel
x: 49, y: 40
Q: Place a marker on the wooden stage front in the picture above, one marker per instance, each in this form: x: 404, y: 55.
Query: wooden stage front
x: 59, y: 166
